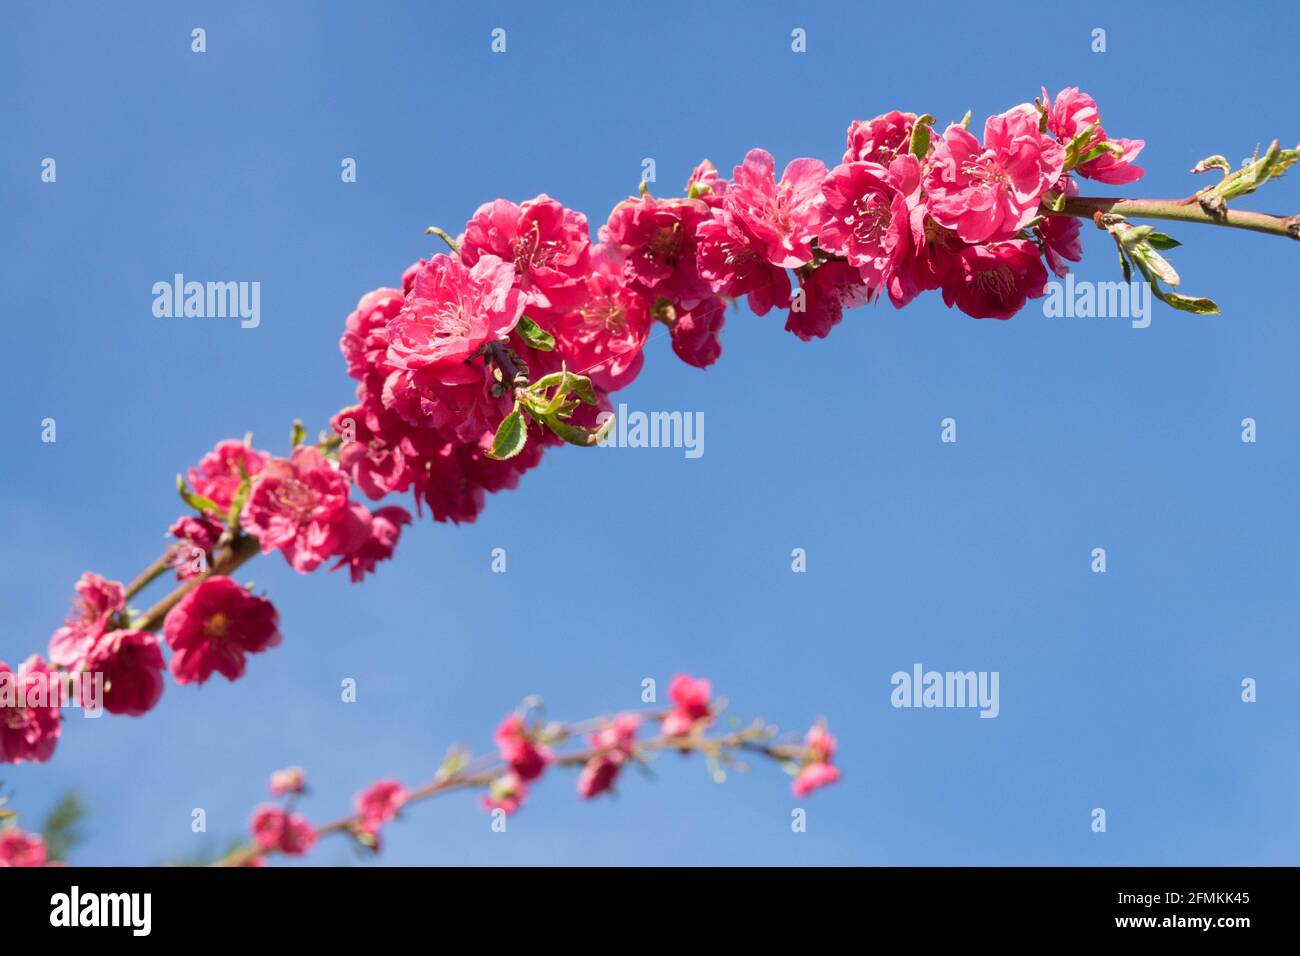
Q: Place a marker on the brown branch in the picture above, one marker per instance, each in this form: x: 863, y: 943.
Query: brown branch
x: 1180, y: 210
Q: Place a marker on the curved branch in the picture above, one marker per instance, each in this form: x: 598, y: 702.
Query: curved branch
x: 756, y: 738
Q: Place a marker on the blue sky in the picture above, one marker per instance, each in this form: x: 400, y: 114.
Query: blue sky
x: 1119, y: 691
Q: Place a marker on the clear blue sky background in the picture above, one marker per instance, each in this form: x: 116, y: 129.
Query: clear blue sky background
x: 1118, y: 691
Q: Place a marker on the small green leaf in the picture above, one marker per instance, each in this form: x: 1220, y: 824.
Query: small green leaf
x: 547, y: 381
x: 581, y: 385
x: 573, y: 434
x: 451, y: 243
x: 237, y: 502
x: 297, y: 433
x: 965, y: 121
x: 1131, y: 236
x: 535, y: 335
x: 62, y: 827
x: 1213, y: 162
x: 1185, y: 303
x: 195, y: 501
x: 1158, y: 240
x: 511, y: 437
x: 1101, y: 149
x: 456, y: 760
x: 1154, y: 264
x: 920, y: 144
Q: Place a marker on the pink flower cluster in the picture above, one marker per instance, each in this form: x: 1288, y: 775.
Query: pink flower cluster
x: 907, y: 210
x: 22, y: 849
x: 210, y: 630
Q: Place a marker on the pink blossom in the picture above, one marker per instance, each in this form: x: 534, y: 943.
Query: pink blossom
x: 602, y: 337
x: 817, y: 772
x: 820, y: 744
x: 1073, y: 112
x: 526, y: 757
x: 696, y: 334
x: 994, y: 281
x: 830, y: 288
x: 289, y: 833
x: 880, y: 140
x: 289, y: 780
x: 598, y: 775
x: 1060, y: 241
x: 365, y: 335
x: 690, y: 697
x: 934, y: 254
x: 214, y: 626
x: 705, y: 184
x: 29, y: 712
x: 735, y: 264
x: 408, y: 276
x: 456, y: 400
x: 300, y: 506
x: 132, y: 664
x: 379, y: 802
x: 548, y: 244
x: 221, y: 471
x: 383, y: 527
x: 451, y: 311
x: 21, y: 849
x: 615, y: 741
x: 867, y: 219
x: 654, y: 240
x: 991, y: 191
x: 196, y: 535
x: 507, y: 793
x: 812, y: 777
x: 375, y: 453
x: 457, y: 477
x: 96, y: 602
x: 782, y: 217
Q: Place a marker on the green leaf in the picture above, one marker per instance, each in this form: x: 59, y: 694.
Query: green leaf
x: 920, y: 144
x: 1213, y: 162
x: 581, y: 385
x: 62, y: 827
x: 511, y: 437
x: 573, y: 434
x: 1184, y: 303
x: 1153, y: 263
x: 451, y: 243
x: 965, y: 121
x: 1096, y: 152
x: 1131, y: 236
x: 1158, y: 240
x: 296, y: 434
x: 547, y: 381
x: 535, y: 335
x: 195, y: 501
x: 237, y: 502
